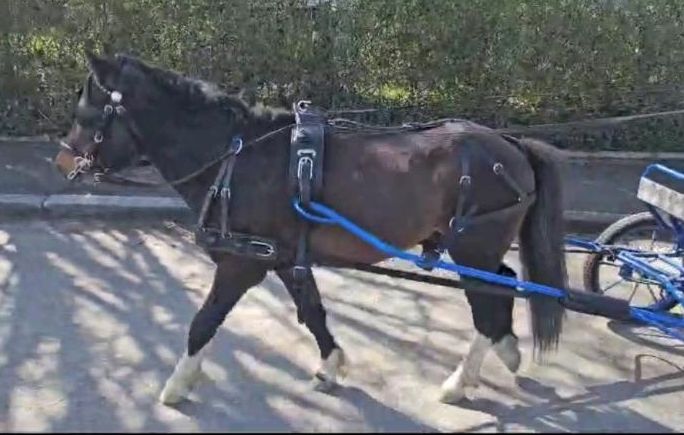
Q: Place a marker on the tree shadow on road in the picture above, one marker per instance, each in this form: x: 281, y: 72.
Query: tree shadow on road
x: 597, y: 409
x: 96, y: 319
x: 93, y: 320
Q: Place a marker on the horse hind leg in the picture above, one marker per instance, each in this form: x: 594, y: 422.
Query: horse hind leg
x: 505, y: 342
x: 492, y: 314
x: 231, y: 280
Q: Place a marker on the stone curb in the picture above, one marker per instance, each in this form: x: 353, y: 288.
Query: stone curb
x: 106, y: 207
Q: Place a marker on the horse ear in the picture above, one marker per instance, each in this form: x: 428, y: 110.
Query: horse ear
x: 105, y: 70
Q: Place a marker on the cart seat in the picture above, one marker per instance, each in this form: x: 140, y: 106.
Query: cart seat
x: 663, y: 188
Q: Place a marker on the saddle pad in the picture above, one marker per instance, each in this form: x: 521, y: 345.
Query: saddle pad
x: 663, y: 188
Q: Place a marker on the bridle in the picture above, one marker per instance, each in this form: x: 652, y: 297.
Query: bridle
x: 84, y: 162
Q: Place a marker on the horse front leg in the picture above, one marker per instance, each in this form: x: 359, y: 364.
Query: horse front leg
x: 310, y: 309
x: 233, y: 277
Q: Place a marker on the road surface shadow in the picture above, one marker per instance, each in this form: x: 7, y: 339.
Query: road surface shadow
x: 597, y: 409
x: 99, y: 317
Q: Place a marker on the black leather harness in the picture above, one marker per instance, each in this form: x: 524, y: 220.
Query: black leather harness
x: 307, y: 146
x: 305, y: 181
x: 222, y: 239
x: 305, y: 173
x: 307, y: 150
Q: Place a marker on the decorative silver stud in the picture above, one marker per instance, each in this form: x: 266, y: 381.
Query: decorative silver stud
x: 116, y: 97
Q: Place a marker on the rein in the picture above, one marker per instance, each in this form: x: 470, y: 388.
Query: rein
x: 221, y: 157
x: 337, y: 123
x: 225, y: 155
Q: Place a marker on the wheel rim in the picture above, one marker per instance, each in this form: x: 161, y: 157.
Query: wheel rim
x: 647, y: 237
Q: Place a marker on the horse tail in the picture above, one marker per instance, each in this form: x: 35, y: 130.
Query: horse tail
x: 542, y: 244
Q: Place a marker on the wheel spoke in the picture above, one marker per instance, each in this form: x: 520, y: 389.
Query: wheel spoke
x: 612, y: 285
x: 631, y: 296
x: 655, y: 298
x: 653, y: 237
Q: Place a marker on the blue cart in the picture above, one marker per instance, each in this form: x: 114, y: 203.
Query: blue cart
x: 640, y: 258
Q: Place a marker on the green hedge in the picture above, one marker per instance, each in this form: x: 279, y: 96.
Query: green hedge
x: 499, y: 62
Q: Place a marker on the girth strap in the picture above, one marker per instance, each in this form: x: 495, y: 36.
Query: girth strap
x: 306, y: 183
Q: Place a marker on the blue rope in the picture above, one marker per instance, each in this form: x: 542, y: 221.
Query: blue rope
x: 309, y: 216
x: 327, y: 216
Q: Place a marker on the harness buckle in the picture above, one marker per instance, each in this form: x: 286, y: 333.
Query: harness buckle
x: 225, y: 193
x: 306, y: 152
x: 270, y: 250
x: 308, y: 161
x: 306, y: 156
x: 302, y: 105
x: 237, y: 141
x: 73, y: 174
x: 299, y: 273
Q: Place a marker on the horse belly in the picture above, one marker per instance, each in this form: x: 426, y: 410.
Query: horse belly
x: 402, y: 205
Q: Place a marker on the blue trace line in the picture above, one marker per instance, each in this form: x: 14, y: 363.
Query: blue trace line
x: 327, y: 216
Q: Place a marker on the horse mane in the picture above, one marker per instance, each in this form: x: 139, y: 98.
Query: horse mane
x: 195, y: 93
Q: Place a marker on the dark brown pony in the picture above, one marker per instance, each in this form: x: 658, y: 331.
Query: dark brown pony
x: 402, y: 186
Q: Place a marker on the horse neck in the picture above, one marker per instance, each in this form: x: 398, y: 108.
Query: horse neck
x: 193, y: 146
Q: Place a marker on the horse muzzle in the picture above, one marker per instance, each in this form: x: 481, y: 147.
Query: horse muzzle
x: 71, y: 165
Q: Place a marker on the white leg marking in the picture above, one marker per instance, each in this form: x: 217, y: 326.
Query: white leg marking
x: 187, y: 372
x: 468, y: 372
x: 326, y: 376
x: 508, y: 352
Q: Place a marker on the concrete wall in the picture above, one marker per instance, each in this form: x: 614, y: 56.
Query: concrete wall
x: 598, y: 188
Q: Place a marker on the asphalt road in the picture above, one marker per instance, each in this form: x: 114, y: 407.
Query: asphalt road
x: 93, y: 317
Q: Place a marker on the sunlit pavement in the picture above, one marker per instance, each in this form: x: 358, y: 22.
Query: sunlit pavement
x: 93, y: 317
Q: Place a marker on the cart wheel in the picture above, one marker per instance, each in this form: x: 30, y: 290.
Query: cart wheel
x: 603, y: 274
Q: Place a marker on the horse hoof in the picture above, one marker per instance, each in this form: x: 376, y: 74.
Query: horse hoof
x: 176, y: 390
x: 171, y: 395
x: 452, y: 394
x: 323, y: 384
x: 453, y: 390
